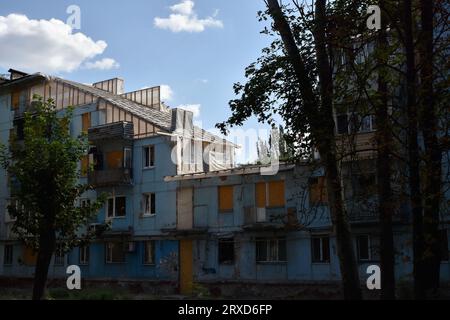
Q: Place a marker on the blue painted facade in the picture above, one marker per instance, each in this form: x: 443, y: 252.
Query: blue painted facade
x: 287, y: 242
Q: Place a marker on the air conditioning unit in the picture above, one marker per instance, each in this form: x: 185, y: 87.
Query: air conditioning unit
x: 261, y: 215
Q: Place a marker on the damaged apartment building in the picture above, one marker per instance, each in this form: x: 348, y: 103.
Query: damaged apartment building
x: 180, y: 210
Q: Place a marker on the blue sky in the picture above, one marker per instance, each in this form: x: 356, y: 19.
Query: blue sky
x: 199, y: 53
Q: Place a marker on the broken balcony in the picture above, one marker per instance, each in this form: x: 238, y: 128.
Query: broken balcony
x: 269, y: 218
x: 110, y: 155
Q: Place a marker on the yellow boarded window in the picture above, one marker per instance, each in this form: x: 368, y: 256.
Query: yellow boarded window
x: 29, y: 256
x: 84, y: 165
x: 317, y: 190
x: 261, y: 195
x: 225, y: 198
x: 15, y: 100
x: 276, y: 194
x: 86, y: 121
x: 114, y: 159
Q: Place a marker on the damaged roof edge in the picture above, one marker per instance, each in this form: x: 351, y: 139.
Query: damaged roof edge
x: 254, y: 169
x: 161, y: 119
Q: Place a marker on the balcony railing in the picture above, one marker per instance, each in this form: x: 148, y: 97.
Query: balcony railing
x: 112, y: 131
x: 111, y: 177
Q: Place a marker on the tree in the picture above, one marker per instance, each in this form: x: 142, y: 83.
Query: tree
x: 384, y: 151
x: 44, y: 167
x: 429, y: 124
x: 296, y: 70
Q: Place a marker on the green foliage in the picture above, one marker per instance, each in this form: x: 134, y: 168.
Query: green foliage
x: 272, y: 87
x: 44, y: 176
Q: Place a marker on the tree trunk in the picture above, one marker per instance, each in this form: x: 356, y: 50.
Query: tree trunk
x: 413, y: 152
x: 322, y: 130
x: 47, y: 244
x: 433, y: 155
x: 383, y: 137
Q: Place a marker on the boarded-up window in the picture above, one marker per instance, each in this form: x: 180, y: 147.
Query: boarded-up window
x: 15, y: 100
x: 317, y: 190
x: 225, y: 198
x: 86, y: 121
x: 84, y: 165
x: 29, y: 256
x: 114, y: 159
x: 261, y: 195
x: 270, y: 194
x: 276, y: 193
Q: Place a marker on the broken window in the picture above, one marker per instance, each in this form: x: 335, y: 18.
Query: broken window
x: 320, y: 248
x: 226, y: 251
x: 149, y: 252
x: 149, y: 156
x: 225, y: 198
x: 19, y: 125
x: 115, y: 252
x: 363, y: 246
x: 271, y: 250
x: 342, y: 123
x: 8, y: 254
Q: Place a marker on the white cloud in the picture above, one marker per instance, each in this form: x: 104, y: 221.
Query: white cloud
x: 185, y: 7
x: 103, y: 64
x: 184, y: 18
x: 194, y: 108
x: 166, y: 92
x: 44, y: 45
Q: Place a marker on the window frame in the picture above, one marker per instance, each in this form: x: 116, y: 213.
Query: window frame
x: 129, y: 151
x: 114, y: 216
x: 267, y: 194
x: 149, y: 158
x: 8, y: 257
x: 145, y: 253
x: 230, y: 242
x: 350, y: 118
x: 269, y: 250
x: 83, y: 259
x: 109, y: 252
x: 152, y: 204
x: 59, y: 256
x: 369, y: 247
x: 322, y: 259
